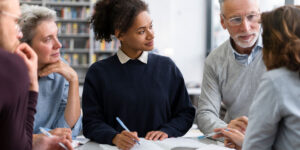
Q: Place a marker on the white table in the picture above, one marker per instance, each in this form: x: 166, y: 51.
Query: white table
x: 95, y: 146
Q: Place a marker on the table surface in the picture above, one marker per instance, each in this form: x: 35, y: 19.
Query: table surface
x: 95, y: 146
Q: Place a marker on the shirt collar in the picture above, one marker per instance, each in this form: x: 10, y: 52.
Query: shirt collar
x: 245, y: 58
x: 124, y: 58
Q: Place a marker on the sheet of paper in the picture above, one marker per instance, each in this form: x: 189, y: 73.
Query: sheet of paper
x: 180, y: 142
x: 80, y: 140
x: 168, y: 144
x: 193, y: 132
x: 147, y: 145
x: 214, y: 147
x: 107, y: 147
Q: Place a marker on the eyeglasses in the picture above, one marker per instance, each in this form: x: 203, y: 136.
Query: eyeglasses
x: 236, y: 21
x: 17, y: 18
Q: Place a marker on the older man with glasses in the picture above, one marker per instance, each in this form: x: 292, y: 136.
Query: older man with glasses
x: 233, y: 70
x: 18, y: 86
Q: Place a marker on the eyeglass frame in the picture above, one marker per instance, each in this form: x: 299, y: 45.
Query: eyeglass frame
x: 230, y: 20
x: 17, y: 26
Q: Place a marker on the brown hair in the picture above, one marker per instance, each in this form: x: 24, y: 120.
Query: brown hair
x: 281, y: 38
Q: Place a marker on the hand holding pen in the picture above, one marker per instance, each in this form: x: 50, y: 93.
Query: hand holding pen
x: 213, y: 134
x: 126, y: 139
x: 50, y: 144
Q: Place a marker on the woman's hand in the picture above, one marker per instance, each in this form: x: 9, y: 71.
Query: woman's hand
x: 156, y: 135
x: 234, y: 137
x: 50, y: 143
x: 59, y: 67
x: 125, y: 140
x: 62, y: 132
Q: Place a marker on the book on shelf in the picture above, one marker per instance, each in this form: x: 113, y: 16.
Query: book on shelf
x: 74, y: 43
x: 68, y: 0
x: 96, y: 57
x: 76, y: 59
x: 81, y: 12
x: 107, y: 46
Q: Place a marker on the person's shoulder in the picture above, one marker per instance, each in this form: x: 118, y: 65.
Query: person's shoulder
x: 220, y: 54
x: 103, y: 67
x: 13, y: 71
x: 277, y: 73
x: 105, y: 62
x: 160, y: 58
x: 281, y: 75
x: 12, y: 62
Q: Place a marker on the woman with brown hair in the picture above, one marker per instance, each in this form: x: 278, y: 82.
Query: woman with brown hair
x: 275, y: 112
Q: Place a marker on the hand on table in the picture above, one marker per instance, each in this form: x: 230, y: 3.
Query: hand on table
x: 156, y: 135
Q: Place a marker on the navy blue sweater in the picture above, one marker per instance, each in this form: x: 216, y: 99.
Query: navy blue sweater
x: 146, y: 97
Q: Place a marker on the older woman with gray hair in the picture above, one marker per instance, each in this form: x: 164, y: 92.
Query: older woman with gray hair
x: 58, y: 107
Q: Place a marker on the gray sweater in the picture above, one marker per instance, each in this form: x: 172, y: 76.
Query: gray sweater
x: 274, y: 117
x: 227, y: 80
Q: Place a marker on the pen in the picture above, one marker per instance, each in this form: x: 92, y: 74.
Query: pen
x: 50, y: 135
x: 123, y: 125
x: 210, y: 134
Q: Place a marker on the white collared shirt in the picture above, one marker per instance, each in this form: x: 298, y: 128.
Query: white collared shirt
x: 123, y: 58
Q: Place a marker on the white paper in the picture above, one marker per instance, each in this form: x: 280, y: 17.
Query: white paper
x: 214, y: 147
x: 80, y: 140
x: 166, y: 144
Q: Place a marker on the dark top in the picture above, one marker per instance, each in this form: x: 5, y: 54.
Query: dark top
x: 145, y: 97
x: 17, y: 104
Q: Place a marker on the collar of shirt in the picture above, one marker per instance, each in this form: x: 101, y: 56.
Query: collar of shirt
x: 246, y: 59
x: 124, y: 58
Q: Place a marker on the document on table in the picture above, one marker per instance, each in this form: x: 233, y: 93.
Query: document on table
x: 213, y: 147
x: 167, y: 144
x: 80, y: 140
x: 193, y: 132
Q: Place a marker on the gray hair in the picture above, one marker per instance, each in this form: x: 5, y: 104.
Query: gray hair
x: 31, y: 17
x: 221, y: 2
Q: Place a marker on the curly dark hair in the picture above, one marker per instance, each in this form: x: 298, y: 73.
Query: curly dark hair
x: 281, y: 38
x: 110, y: 15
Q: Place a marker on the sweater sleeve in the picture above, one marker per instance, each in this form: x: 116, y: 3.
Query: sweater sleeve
x: 264, y: 117
x: 30, y: 117
x: 209, y: 103
x: 94, y: 126
x: 183, y: 113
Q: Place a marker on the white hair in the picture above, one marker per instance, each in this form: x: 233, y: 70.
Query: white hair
x: 221, y: 2
x: 31, y: 16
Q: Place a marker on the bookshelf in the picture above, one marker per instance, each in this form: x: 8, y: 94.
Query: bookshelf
x: 79, y: 48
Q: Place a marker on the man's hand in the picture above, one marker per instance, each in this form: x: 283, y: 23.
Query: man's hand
x: 51, y: 143
x: 30, y: 58
x: 125, y: 140
x: 240, y: 124
x: 156, y: 135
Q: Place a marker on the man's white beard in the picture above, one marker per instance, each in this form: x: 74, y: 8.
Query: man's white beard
x: 246, y: 44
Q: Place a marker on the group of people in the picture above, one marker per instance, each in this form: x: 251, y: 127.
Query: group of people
x: 255, y: 74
